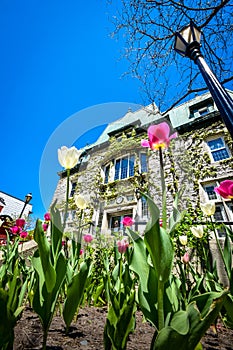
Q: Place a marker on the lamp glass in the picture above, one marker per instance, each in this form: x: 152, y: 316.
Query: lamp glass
x: 187, y: 36
x: 197, y: 34
x: 28, y: 197
x: 180, y: 45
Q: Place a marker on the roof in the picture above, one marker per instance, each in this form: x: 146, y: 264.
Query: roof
x: 180, y: 115
x: 143, y: 117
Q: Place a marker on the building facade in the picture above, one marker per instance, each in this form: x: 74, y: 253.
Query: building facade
x: 114, y: 170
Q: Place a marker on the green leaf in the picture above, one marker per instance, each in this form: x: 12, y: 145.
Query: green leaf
x: 119, y: 325
x: 45, y: 256
x: 227, y: 254
x: 228, y: 305
x: 176, y: 215
x: 75, y: 291
x: 229, y: 232
x: 139, y: 259
x: 44, y: 303
x: 159, y: 244
x: 56, y: 230
x: 147, y: 290
x: 205, y: 301
x: 173, y: 337
x: 180, y: 322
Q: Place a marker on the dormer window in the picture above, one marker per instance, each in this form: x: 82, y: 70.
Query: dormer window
x: 201, y: 110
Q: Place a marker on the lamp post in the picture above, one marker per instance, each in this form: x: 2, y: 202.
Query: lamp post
x: 188, y: 44
x: 28, y: 198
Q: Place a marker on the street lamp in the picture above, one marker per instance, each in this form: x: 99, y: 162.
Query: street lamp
x: 188, y: 44
x: 28, y: 198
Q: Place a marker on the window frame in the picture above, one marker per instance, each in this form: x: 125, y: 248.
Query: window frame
x: 141, y: 163
x: 211, y: 151
x: 121, y: 172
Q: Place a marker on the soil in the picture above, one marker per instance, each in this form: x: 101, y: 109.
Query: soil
x: 87, y: 333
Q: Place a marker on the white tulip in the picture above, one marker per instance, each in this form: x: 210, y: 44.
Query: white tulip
x: 80, y: 201
x: 197, y: 231
x: 68, y: 157
x: 183, y: 239
x: 208, y: 208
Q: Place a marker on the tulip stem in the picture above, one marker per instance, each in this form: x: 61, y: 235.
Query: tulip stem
x: 160, y: 304
x: 120, y: 278
x: 67, y: 197
x: 219, y: 247
x: 164, y: 206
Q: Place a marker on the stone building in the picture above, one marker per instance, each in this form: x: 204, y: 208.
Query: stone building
x: 113, y: 170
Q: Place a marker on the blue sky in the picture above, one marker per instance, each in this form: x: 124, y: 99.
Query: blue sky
x: 57, y: 59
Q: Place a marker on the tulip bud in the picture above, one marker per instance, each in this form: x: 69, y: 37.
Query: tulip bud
x: 47, y: 217
x: 183, y: 239
x: 88, y: 238
x: 20, y: 222
x: 208, y: 208
x: 127, y: 221
x: 185, y: 258
x: 122, y: 245
x: 23, y: 234
x: 197, y: 231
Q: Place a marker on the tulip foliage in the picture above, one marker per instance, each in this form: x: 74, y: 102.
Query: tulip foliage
x: 120, y: 287
x: 137, y: 272
x: 50, y: 268
x: 179, y: 323
x: 13, y: 288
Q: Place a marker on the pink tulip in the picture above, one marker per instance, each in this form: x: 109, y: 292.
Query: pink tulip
x: 15, y: 230
x: 122, y: 245
x: 225, y: 189
x: 127, y: 221
x: 23, y: 234
x: 45, y: 227
x: 81, y: 252
x: 158, y: 136
x: 88, y: 238
x: 20, y: 222
x: 185, y: 258
x: 47, y: 217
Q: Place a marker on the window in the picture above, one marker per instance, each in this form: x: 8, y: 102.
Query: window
x: 124, y: 167
x: 209, y: 189
x: 202, y: 110
x: 143, y: 162
x: 144, y: 208
x: 223, y: 207
x: 115, y: 221
x: 218, y: 149
x: 106, y: 174
x: 72, y: 192
x: 219, y: 216
x: 219, y: 213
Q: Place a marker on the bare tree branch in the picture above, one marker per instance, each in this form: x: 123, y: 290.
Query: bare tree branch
x: 149, y: 27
